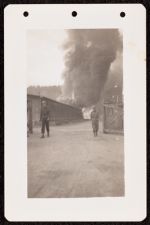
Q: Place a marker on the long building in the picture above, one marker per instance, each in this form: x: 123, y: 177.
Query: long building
x: 60, y: 112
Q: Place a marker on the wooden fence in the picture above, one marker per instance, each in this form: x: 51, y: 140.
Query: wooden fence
x: 113, y: 118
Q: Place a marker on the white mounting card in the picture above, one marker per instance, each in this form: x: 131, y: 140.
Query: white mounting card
x: 75, y: 176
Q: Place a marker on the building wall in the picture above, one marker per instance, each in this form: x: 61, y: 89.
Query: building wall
x: 35, y: 108
x: 59, y: 113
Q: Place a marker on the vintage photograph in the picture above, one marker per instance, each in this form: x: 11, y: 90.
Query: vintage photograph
x: 75, y: 132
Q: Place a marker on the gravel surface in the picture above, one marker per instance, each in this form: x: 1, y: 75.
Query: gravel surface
x: 73, y: 163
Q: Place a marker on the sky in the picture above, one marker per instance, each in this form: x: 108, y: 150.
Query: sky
x: 45, y: 57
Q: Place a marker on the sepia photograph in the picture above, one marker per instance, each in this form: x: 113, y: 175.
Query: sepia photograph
x: 75, y: 113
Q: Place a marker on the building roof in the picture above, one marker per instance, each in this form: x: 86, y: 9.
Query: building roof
x: 49, y: 99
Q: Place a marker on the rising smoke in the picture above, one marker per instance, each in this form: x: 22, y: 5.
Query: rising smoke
x: 88, y: 56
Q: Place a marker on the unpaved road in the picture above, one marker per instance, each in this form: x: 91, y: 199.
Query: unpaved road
x: 73, y: 163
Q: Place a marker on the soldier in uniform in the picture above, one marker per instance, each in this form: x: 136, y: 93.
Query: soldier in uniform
x: 44, y: 118
x: 95, y: 121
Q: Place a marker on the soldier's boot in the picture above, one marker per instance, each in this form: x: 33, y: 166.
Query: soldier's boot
x: 42, y: 136
x: 48, y: 134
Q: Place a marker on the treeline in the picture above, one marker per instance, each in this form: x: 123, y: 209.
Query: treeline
x: 113, y: 91
x: 52, y: 92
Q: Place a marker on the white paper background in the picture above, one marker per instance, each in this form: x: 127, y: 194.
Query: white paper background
x: 131, y: 207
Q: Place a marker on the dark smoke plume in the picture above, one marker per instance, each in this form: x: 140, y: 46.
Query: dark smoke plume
x: 89, y: 54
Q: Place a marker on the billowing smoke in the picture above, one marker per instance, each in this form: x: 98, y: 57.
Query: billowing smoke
x: 88, y: 56
x: 114, y: 85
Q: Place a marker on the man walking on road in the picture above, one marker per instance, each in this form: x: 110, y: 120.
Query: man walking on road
x: 95, y: 121
x: 44, y: 118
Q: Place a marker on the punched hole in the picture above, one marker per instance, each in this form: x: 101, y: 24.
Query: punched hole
x: 74, y: 13
x: 122, y: 14
x: 25, y: 13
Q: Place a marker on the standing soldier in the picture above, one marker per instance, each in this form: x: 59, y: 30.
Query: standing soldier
x: 95, y: 121
x: 44, y: 118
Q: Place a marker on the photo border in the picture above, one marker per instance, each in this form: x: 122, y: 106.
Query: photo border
x: 2, y: 5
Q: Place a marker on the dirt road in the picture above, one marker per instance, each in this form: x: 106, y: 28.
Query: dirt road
x: 73, y: 163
